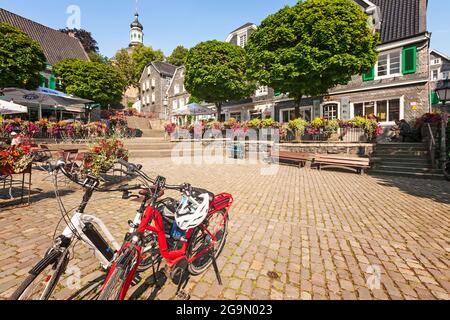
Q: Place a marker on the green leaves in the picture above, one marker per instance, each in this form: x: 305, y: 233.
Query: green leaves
x: 21, y: 59
x: 178, y: 56
x: 95, y: 81
x: 311, y: 47
x: 132, y: 63
x: 216, y: 73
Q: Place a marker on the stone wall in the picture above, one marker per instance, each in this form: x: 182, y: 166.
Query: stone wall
x: 345, y: 149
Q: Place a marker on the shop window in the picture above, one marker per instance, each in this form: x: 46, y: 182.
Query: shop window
x: 331, y: 111
x: 394, y: 110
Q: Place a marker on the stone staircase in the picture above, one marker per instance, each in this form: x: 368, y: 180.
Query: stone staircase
x: 143, y: 124
x: 405, y: 160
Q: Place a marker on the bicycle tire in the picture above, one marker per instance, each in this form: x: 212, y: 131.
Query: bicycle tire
x: 114, y: 286
x: 58, y: 262
x: 193, y: 268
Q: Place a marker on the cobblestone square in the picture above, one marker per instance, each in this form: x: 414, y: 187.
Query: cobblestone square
x: 327, y: 235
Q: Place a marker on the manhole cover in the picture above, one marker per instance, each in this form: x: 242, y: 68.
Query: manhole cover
x: 273, y: 275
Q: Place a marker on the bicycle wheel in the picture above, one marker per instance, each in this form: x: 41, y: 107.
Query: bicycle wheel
x: 117, y: 279
x: 43, y: 278
x: 200, y: 240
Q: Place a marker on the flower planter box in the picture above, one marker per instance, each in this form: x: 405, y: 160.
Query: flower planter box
x: 353, y: 135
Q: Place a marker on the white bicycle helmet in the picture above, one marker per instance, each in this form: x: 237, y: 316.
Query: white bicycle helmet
x: 192, y: 212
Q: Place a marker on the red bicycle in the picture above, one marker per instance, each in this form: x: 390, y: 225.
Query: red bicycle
x: 188, y: 252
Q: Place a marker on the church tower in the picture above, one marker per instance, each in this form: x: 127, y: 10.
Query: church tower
x: 136, y: 32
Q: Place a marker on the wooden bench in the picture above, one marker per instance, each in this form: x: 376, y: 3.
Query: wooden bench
x: 359, y: 165
x: 300, y: 158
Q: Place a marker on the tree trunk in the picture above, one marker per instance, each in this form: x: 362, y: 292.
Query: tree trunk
x: 219, y: 110
x: 298, y: 103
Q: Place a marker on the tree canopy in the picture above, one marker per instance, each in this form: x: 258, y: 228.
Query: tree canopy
x: 311, y: 47
x: 21, y: 59
x: 178, y: 56
x: 85, y: 37
x: 215, y: 73
x: 97, y: 57
x: 95, y: 81
x: 132, y: 63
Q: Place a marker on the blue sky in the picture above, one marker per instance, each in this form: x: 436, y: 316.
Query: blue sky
x: 168, y: 23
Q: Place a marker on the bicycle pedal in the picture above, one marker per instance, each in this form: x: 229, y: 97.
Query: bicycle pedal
x: 136, y: 280
x: 183, y: 296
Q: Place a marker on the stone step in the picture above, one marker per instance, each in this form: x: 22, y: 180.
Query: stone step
x: 382, y: 153
x: 399, y: 173
x: 417, y: 164
x: 400, y: 145
x: 405, y: 149
x: 403, y: 168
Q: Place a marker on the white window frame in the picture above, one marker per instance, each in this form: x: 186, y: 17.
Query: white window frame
x: 153, y: 83
x: 323, y: 105
x: 435, y: 61
x: 242, y: 34
x: 386, y: 123
x: 389, y: 75
x: 175, y: 104
x: 438, y: 74
x: 290, y: 110
x: 181, y: 102
x: 176, y: 89
x: 149, y: 70
x: 153, y: 97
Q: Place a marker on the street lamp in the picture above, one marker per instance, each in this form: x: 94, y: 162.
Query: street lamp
x: 443, y: 91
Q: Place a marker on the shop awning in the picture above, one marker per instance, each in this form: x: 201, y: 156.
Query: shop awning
x: 11, y: 108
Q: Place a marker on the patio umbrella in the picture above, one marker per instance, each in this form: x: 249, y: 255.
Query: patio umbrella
x: 11, y: 108
x: 41, y: 98
x: 195, y: 109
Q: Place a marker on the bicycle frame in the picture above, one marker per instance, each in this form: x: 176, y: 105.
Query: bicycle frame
x: 152, y: 220
x: 79, y: 221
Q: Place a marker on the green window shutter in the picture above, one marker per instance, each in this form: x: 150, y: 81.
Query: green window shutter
x: 409, y: 59
x: 41, y: 81
x: 52, y: 83
x: 369, y: 76
x: 434, y: 98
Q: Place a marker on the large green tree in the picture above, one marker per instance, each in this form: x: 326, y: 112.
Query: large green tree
x: 85, y: 37
x: 99, y: 82
x: 178, y: 56
x: 21, y: 59
x: 311, y: 47
x: 131, y: 63
x: 215, y: 73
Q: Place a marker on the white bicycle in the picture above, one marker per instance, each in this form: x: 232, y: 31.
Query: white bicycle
x: 44, y: 277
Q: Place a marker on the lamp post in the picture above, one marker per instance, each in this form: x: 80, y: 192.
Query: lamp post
x: 443, y: 92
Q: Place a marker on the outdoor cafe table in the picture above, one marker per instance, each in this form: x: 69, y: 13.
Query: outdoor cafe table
x: 10, y: 176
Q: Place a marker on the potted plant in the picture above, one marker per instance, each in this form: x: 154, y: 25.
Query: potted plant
x: 104, y: 154
x: 299, y: 127
x: 331, y: 129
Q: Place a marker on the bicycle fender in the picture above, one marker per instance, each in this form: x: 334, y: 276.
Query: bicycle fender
x: 49, y: 259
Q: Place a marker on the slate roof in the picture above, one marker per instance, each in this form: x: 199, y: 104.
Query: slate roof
x: 57, y: 46
x: 165, y: 68
x: 248, y: 24
x: 401, y: 19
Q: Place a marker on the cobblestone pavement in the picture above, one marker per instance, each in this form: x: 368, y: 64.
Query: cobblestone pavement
x: 326, y: 235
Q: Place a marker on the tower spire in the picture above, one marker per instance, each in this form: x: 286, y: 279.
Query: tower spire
x: 136, y: 32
